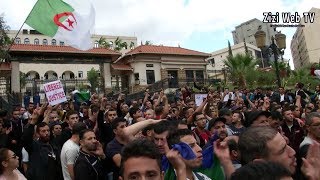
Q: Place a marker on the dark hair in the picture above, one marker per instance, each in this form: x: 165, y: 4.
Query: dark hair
x: 310, y: 117
x: 158, y: 110
x: 94, y: 108
x: 253, y: 143
x: 276, y: 115
x: 83, y: 132
x: 175, y: 136
x: 233, y: 145
x: 116, y: 122
x: 40, y: 125
x: 162, y: 127
x: 78, y: 127
x: 261, y: 170
x: 133, y: 110
x: 139, y: 148
x: 146, y: 129
x: 3, y: 157
x: 300, y: 85
x: 71, y: 112
x: 214, y: 121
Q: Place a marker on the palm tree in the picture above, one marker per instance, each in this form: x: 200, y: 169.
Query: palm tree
x: 103, y: 43
x: 131, y: 45
x: 119, y: 44
x: 148, y: 43
x: 240, y: 65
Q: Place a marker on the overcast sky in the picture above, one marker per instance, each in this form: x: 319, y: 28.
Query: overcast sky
x: 203, y: 25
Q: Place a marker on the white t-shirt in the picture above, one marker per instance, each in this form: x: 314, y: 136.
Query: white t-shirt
x: 69, y: 153
x: 25, y: 155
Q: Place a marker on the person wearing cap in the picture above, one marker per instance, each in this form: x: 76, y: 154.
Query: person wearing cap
x: 218, y: 127
x: 258, y: 118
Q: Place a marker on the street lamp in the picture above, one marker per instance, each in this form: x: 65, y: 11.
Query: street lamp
x: 276, y: 48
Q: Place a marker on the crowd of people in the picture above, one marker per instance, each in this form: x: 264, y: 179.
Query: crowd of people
x: 230, y: 134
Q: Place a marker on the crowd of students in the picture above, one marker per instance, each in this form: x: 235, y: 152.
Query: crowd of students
x: 238, y: 134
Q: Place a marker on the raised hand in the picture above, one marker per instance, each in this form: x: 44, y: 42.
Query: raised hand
x: 176, y: 160
x: 99, y: 151
x: 311, y: 164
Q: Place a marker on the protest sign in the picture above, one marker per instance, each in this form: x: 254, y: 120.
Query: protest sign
x: 199, y: 98
x: 54, y: 92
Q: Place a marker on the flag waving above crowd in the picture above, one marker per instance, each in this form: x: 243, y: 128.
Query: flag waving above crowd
x: 68, y: 22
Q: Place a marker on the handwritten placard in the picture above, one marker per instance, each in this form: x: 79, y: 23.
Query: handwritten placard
x: 54, y: 92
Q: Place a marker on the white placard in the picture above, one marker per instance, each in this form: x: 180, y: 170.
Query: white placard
x: 54, y: 92
x: 199, y: 98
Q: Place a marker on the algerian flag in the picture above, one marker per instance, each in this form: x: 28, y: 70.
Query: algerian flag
x: 64, y: 21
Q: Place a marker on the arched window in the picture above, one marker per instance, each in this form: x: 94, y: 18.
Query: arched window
x: 18, y: 41
x: 96, y: 44
x: 53, y: 42
x: 26, y: 41
x: 36, y: 41
x: 45, y: 42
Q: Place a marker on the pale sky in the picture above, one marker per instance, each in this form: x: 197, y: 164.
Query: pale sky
x: 203, y: 25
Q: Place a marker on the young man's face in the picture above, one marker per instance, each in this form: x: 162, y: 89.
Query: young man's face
x: 191, y: 104
x: 73, y: 118
x: 57, y: 130
x: 280, y: 152
x: 288, y: 116
x: 44, y: 133
x: 235, y: 117
x: 111, y: 115
x: 89, y: 141
x: 191, y: 141
x: 15, y: 114
x: 161, y: 141
x: 262, y: 120
x: 314, y: 128
x: 119, y: 130
x: 220, y: 129
x: 149, y: 114
x: 141, y: 168
x: 200, y: 121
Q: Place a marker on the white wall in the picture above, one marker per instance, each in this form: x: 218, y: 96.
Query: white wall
x: 140, y: 67
x: 58, y: 68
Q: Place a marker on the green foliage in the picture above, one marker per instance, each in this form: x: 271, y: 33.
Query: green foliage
x: 131, y: 45
x: 301, y: 75
x: 103, y: 43
x: 239, y: 67
x: 4, y: 40
x: 93, y: 78
x: 119, y: 44
x: 148, y: 43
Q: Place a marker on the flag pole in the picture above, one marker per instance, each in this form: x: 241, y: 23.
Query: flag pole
x: 7, y: 51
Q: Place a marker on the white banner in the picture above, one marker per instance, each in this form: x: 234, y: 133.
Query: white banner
x: 199, y: 98
x: 54, y: 92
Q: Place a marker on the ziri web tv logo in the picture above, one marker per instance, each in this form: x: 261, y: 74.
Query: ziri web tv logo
x: 288, y: 19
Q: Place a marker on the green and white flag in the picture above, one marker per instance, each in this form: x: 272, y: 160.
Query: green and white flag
x: 68, y: 22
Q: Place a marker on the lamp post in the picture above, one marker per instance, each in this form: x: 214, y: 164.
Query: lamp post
x: 276, y: 48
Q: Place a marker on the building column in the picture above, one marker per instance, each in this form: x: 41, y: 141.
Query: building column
x: 107, y: 77
x: 15, y: 76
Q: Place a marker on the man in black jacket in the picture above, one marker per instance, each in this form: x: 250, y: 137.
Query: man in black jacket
x: 89, y: 164
x: 43, y: 156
